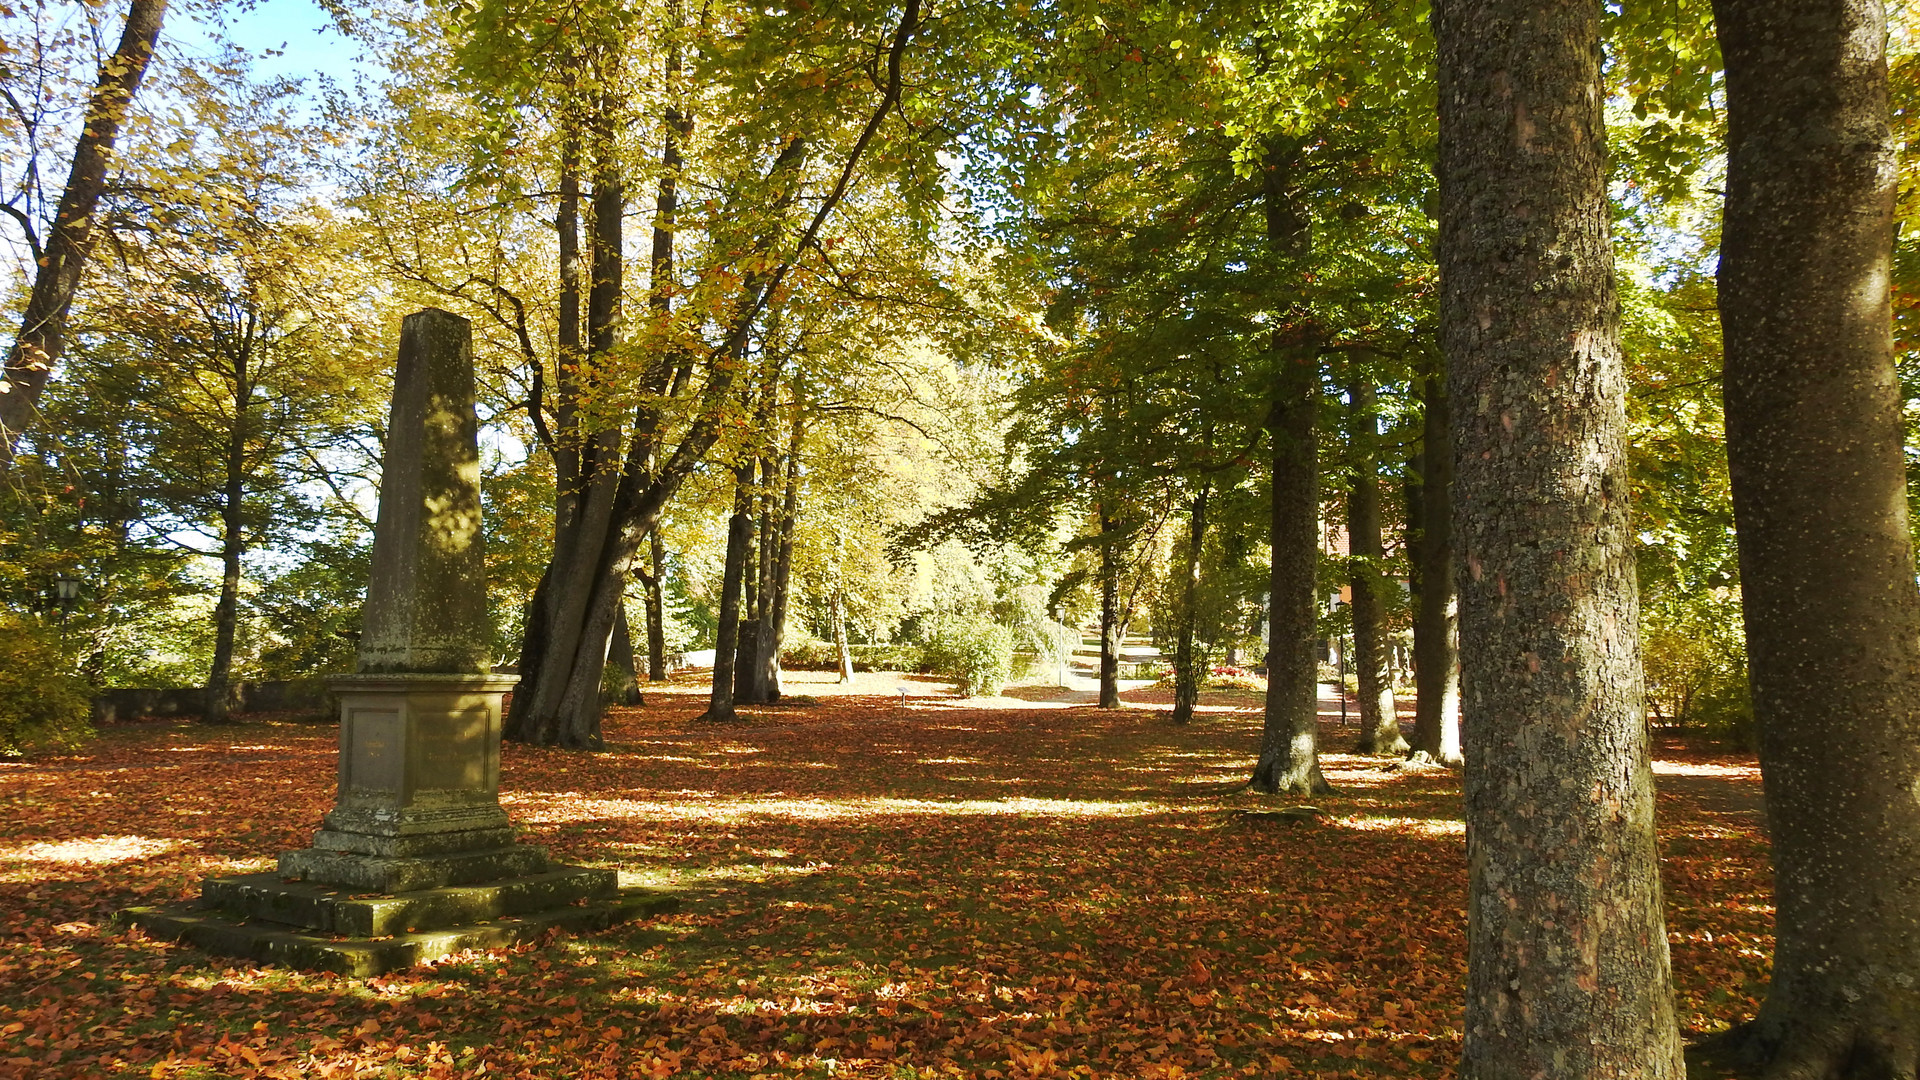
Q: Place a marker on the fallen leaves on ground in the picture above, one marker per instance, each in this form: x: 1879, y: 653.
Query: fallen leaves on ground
x: 1010, y: 890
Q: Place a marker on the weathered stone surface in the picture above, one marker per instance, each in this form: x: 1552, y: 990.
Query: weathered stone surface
x: 419, y: 754
x: 426, y: 605
x: 276, y: 943
x: 404, y: 847
x: 373, y: 873
x: 331, y: 910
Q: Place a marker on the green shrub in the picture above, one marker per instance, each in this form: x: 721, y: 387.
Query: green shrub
x: 888, y: 658
x: 976, y: 654
x: 1694, y: 654
x: 810, y: 654
x: 42, y: 702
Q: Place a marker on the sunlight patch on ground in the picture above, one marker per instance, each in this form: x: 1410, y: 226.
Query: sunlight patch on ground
x: 1697, y: 768
x: 1427, y: 826
x: 98, y: 851
x: 563, y: 808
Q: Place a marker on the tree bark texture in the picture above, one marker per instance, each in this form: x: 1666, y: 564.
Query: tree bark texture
x: 1188, y: 673
x: 1110, y: 628
x: 1826, y: 565
x: 1436, y: 617
x: 1567, y: 965
x: 70, y: 239
x: 1379, y: 718
x: 1289, y: 760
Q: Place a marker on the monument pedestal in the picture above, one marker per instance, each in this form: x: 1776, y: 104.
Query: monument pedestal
x: 416, y: 861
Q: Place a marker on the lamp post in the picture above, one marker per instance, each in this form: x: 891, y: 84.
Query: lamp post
x: 66, y: 593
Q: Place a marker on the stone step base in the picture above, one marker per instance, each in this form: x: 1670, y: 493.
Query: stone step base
x: 400, y: 874
x: 336, y: 910
x: 275, y: 943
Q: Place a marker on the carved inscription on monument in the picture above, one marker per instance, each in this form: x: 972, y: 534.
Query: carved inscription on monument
x: 377, y: 758
x: 454, y: 751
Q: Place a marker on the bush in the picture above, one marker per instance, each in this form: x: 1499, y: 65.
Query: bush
x: 42, y: 702
x: 976, y: 654
x: 810, y: 654
x: 1696, y: 665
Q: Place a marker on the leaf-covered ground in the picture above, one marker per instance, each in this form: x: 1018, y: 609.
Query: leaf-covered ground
x: 1015, y: 888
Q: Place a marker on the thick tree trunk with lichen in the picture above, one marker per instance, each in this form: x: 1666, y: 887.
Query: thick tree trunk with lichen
x: 1436, y: 612
x: 1567, y: 968
x: 1826, y: 564
x: 1379, y: 718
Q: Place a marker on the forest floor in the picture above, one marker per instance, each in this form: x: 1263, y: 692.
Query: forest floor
x: 1005, y: 888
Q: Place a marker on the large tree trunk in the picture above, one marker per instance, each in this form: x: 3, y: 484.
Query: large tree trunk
x: 1187, y: 668
x: 726, y: 644
x: 1110, y: 628
x: 1290, y: 737
x: 558, y: 699
x: 1826, y: 564
x: 1379, y: 719
x: 1436, y: 617
x: 1289, y: 760
x: 70, y: 238
x: 1567, y: 969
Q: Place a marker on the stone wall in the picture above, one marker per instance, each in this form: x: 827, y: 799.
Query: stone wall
x: 280, y: 695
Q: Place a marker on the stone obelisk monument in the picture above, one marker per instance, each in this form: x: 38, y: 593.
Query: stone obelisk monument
x: 417, y: 818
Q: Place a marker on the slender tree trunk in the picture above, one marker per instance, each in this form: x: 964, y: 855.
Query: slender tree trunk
x: 226, y: 612
x: 1379, y: 718
x: 1110, y: 628
x: 656, y: 609
x: 1187, y: 668
x: 839, y: 612
x: 727, y: 639
x: 1289, y: 760
x: 1567, y: 969
x: 70, y: 239
x: 1814, y: 433
x: 774, y: 634
x: 1436, y: 619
